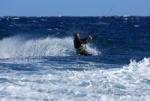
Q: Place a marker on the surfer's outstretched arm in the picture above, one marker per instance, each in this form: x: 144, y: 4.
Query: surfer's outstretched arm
x: 86, y: 40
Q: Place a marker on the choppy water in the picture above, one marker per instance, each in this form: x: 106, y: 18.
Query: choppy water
x: 38, y: 61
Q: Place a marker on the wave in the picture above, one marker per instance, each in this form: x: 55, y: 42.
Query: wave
x: 134, y: 70
x: 130, y: 82
x: 122, y: 84
x: 20, y: 46
x: 136, y: 73
x: 138, y: 69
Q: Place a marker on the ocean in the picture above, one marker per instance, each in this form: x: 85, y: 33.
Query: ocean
x: 38, y: 61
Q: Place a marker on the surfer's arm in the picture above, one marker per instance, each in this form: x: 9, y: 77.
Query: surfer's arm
x: 86, y: 40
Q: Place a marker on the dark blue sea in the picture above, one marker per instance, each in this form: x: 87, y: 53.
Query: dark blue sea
x: 38, y: 61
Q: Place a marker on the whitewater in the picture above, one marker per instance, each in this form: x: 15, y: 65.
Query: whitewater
x: 38, y: 61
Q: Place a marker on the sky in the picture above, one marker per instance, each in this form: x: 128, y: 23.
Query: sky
x: 74, y: 7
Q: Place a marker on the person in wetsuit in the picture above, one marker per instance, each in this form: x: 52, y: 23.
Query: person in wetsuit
x: 78, y: 44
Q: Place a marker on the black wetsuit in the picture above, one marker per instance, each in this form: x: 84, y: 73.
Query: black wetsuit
x: 78, y: 46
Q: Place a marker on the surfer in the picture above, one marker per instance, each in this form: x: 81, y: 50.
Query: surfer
x: 78, y: 44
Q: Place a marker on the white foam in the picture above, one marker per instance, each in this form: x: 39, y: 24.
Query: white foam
x: 93, y: 50
x: 136, y: 25
x: 132, y: 82
x: 16, y: 18
x: 18, y: 46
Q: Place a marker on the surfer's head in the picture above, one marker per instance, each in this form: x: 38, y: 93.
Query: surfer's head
x: 76, y: 35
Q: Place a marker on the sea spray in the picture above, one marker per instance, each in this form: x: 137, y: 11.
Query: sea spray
x: 18, y: 46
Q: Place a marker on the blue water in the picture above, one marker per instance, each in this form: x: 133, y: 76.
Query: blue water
x: 38, y: 61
